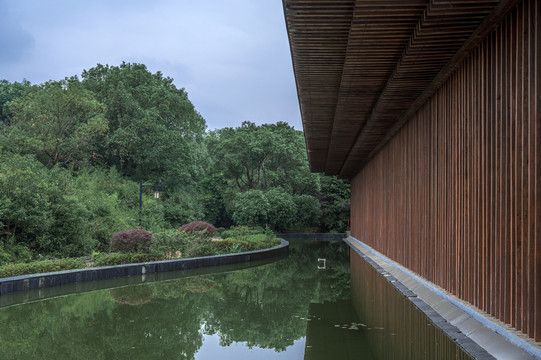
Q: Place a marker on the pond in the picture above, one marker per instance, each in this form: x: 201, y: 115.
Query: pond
x: 297, y: 307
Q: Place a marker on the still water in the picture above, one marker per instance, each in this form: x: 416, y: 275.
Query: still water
x: 298, y: 307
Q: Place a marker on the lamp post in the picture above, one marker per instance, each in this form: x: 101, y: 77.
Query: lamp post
x: 156, y: 195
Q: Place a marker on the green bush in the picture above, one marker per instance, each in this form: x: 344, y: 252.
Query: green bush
x: 242, y: 230
x: 181, y: 206
x: 111, y: 202
x: 308, y: 210
x: 10, y: 253
x: 39, y: 210
x: 109, y: 259
x: 232, y: 245
x: 199, y: 247
x: 249, y: 243
x: 282, y: 208
x: 251, y: 208
x: 171, y: 241
x: 38, y: 267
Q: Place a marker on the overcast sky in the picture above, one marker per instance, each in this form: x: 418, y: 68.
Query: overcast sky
x: 231, y: 56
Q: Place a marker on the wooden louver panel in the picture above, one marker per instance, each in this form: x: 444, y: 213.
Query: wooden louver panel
x: 456, y: 195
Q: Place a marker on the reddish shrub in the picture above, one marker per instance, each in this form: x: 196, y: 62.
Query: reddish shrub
x: 131, y: 240
x: 199, y: 226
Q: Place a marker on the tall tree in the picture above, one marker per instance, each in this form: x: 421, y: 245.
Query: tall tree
x: 262, y: 157
x: 9, y: 92
x: 59, y: 121
x: 268, y: 175
x: 155, y: 130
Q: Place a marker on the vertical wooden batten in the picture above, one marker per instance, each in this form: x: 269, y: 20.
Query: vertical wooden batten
x: 455, y: 194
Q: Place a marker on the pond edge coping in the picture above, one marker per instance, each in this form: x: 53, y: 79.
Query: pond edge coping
x: 38, y: 281
x: 313, y: 236
x: 479, y: 335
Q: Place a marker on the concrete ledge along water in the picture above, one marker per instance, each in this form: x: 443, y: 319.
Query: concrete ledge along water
x: 39, y: 281
x: 475, y: 332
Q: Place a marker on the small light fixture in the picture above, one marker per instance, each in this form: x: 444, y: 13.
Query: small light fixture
x: 156, y: 194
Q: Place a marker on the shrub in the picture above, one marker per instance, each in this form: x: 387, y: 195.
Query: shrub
x: 251, y: 208
x: 105, y: 259
x: 171, y: 241
x: 308, y: 210
x: 245, y: 243
x: 199, y: 226
x: 282, y: 210
x: 200, y: 247
x: 131, y: 240
x: 106, y: 196
x: 38, y: 267
x: 10, y: 253
x: 242, y: 231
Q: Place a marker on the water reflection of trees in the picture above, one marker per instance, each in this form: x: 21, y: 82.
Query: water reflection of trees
x: 259, y: 306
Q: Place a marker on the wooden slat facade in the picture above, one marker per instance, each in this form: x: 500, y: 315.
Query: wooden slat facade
x: 456, y: 194
x: 432, y: 108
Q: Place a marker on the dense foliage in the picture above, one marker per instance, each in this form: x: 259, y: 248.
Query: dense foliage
x: 72, y: 153
x: 137, y: 246
x: 267, y: 181
x: 44, y: 266
x: 132, y: 240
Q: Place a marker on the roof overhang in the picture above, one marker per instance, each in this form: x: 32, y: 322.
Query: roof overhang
x: 363, y: 68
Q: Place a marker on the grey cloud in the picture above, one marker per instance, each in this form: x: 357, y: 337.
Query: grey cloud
x: 14, y: 40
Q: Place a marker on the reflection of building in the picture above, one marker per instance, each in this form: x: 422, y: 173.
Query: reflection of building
x: 326, y: 340
x: 433, y: 110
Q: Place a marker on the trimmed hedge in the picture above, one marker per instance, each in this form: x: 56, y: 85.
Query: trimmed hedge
x: 205, y: 247
x: 109, y: 259
x: 44, y: 266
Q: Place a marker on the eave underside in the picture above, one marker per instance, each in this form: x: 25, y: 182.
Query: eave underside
x: 364, y: 67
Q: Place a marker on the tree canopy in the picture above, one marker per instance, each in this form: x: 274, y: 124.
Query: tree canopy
x: 72, y: 153
x: 59, y: 122
x: 268, y: 180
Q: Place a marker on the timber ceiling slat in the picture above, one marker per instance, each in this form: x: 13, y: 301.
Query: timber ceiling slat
x: 318, y: 32
x: 410, y: 77
x: 360, y: 65
x: 393, y: 29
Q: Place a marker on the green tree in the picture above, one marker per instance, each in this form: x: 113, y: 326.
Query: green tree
x: 255, y: 157
x: 271, y: 158
x: 214, y: 191
x: 155, y: 135
x: 308, y: 210
x: 39, y: 210
x: 335, y: 204
x: 251, y: 208
x: 282, y: 209
x: 60, y: 122
x: 155, y: 130
x: 9, y: 92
